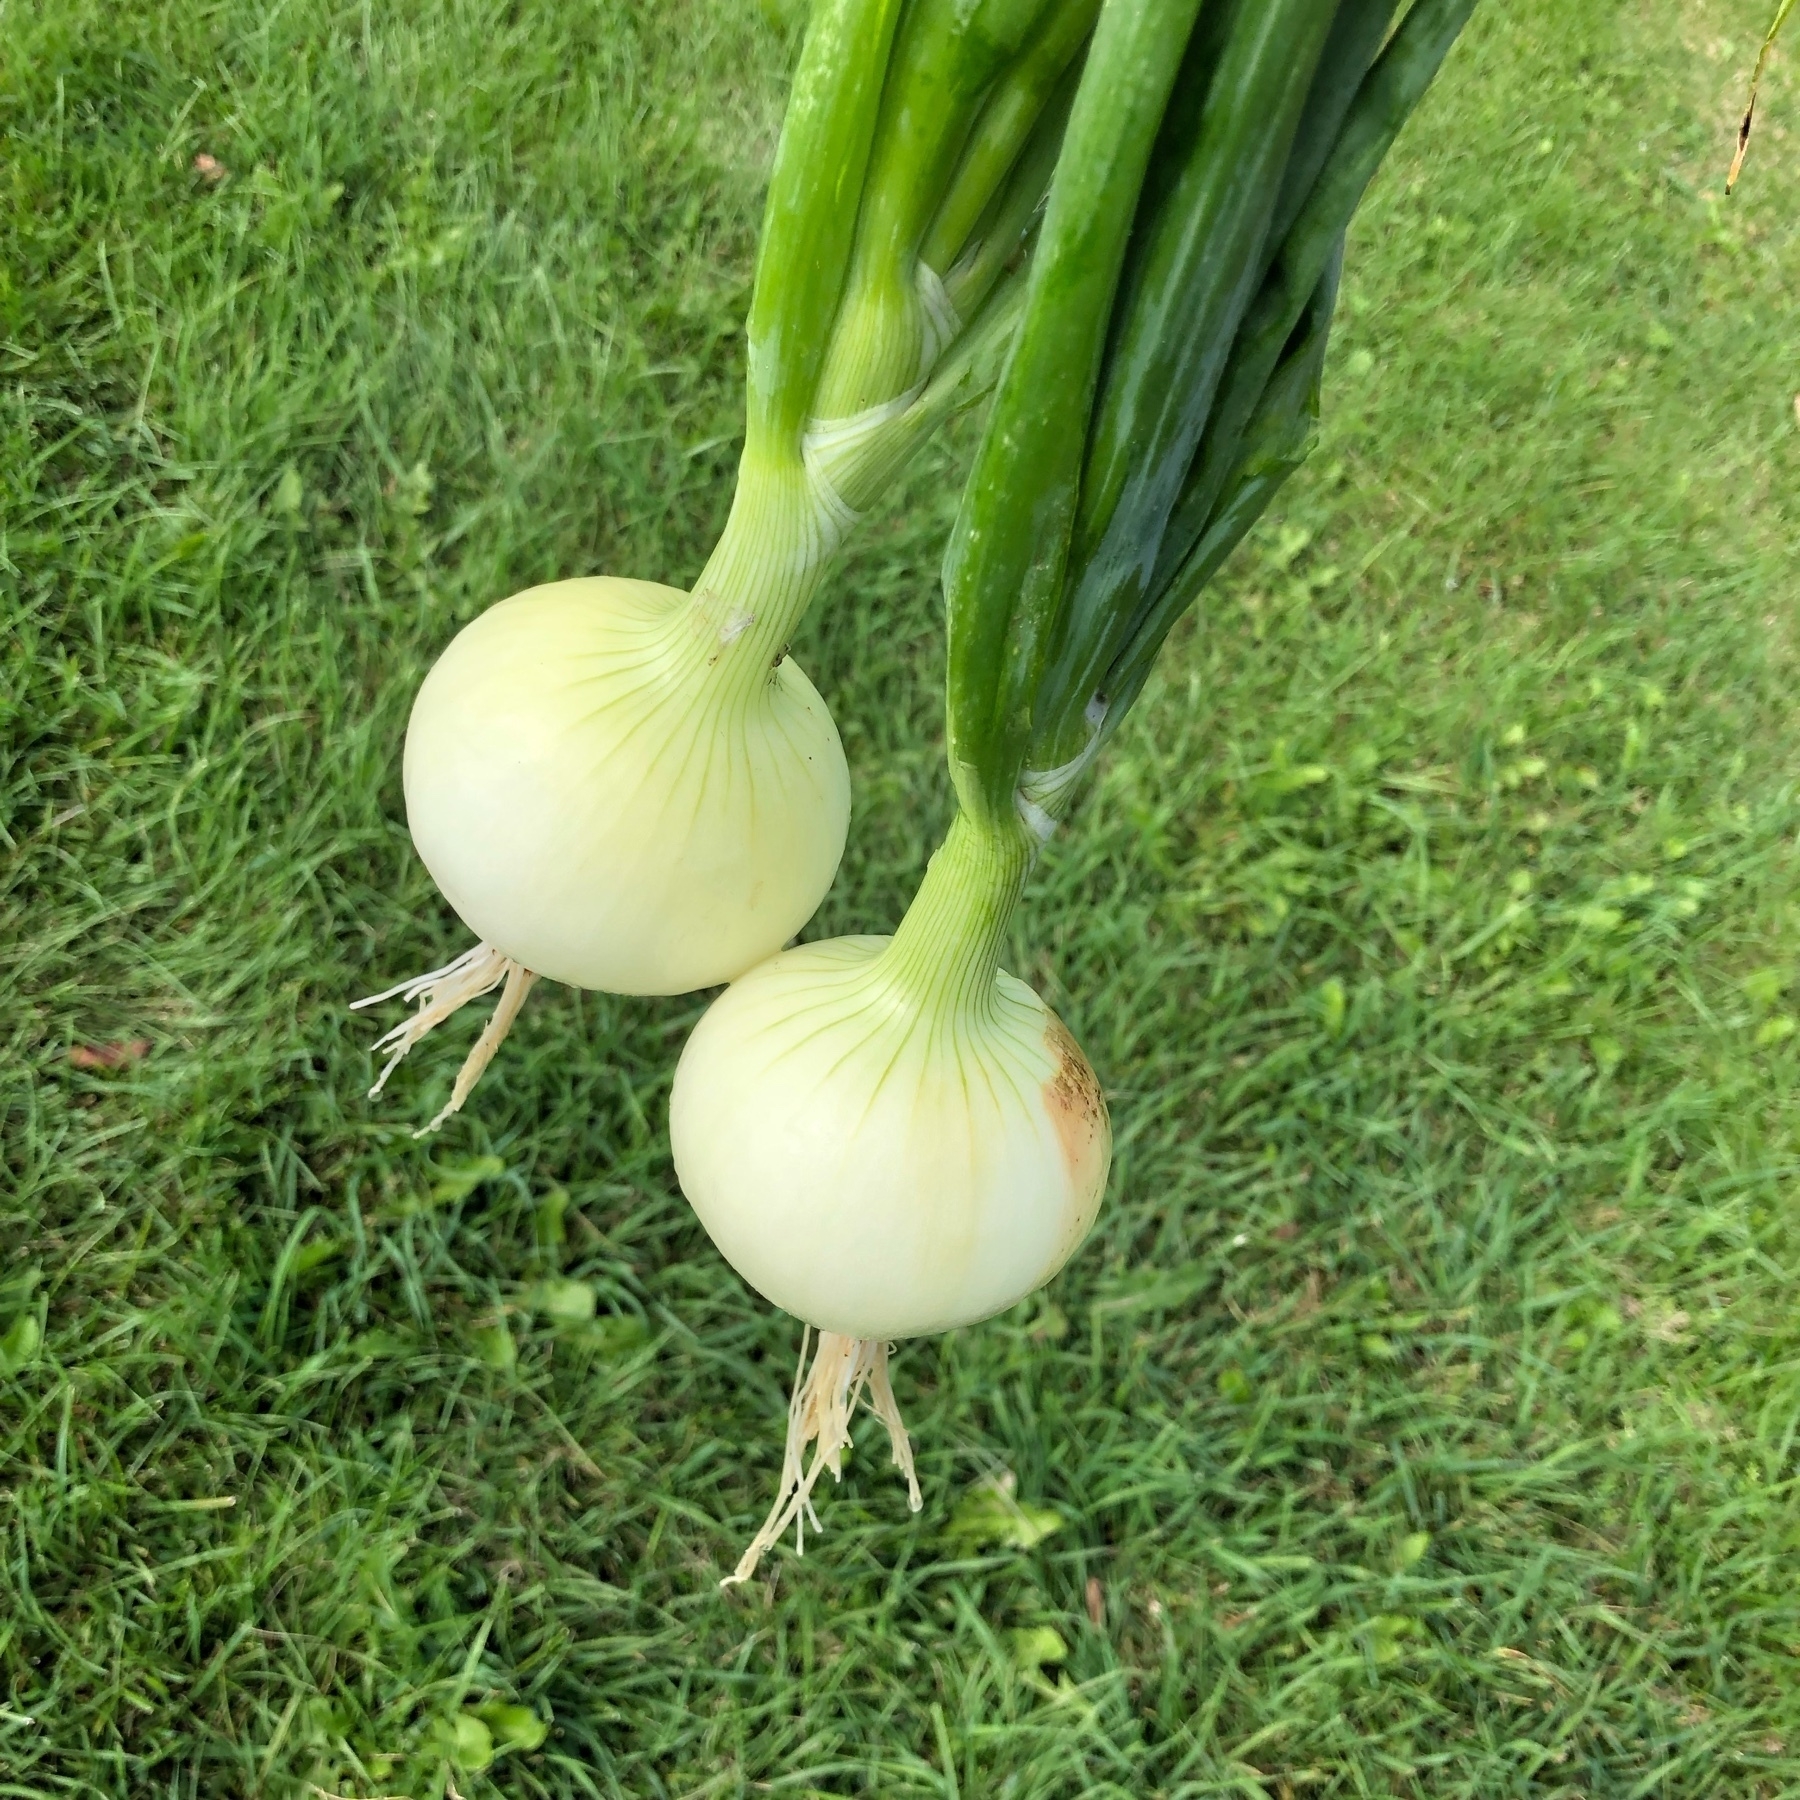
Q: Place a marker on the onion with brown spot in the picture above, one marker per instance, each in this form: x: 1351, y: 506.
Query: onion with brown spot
x: 890, y: 1136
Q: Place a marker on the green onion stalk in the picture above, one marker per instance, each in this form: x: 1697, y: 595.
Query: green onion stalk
x: 893, y: 1137
x: 626, y: 786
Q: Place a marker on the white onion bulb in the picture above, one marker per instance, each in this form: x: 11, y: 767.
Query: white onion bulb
x: 601, y: 808
x: 883, y: 1157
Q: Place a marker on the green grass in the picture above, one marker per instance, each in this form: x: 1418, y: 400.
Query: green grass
x: 1422, y: 1417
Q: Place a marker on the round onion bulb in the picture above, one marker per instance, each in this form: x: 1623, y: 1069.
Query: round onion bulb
x: 611, y: 797
x: 882, y: 1163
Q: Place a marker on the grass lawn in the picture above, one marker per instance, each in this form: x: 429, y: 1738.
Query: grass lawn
x: 1422, y: 1418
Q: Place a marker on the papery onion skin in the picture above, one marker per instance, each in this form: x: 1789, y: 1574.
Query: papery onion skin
x: 600, y: 810
x: 879, y: 1166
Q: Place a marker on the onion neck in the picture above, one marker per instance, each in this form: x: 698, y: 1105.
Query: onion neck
x: 784, y: 528
x: 946, y: 954
x: 882, y: 345
x: 796, y: 502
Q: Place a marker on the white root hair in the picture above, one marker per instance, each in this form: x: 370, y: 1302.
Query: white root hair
x: 823, y: 1400
x: 442, y: 992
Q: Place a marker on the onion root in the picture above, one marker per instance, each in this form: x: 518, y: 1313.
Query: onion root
x: 844, y: 1370
x: 442, y: 992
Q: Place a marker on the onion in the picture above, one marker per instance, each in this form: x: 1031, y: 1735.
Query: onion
x: 888, y: 1137
x: 883, y: 1164
x: 627, y: 787
x: 595, y: 808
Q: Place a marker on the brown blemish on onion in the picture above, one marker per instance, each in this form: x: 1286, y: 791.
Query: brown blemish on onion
x: 1077, y: 1110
